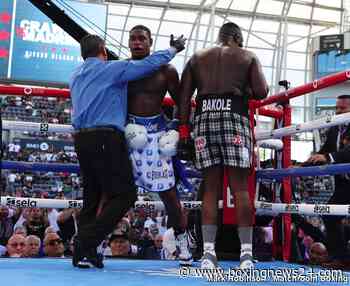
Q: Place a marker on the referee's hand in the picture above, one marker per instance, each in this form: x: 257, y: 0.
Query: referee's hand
x: 178, y: 43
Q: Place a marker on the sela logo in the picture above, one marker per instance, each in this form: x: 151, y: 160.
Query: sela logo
x: 146, y: 205
x: 292, y: 208
x: 21, y: 203
x: 75, y: 204
x: 191, y: 206
x: 322, y: 209
x: 266, y: 206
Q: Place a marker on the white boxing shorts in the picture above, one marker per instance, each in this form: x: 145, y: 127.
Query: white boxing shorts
x: 152, y: 170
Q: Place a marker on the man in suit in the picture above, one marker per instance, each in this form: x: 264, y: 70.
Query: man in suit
x: 334, y: 151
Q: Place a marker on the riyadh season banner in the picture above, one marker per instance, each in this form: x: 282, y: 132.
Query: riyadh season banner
x: 40, y: 50
x: 6, y: 11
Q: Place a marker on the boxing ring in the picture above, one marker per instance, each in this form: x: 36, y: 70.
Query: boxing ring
x: 147, y: 272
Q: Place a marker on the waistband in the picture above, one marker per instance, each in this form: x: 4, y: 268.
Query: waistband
x: 153, y: 124
x: 221, y: 103
x: 105, y: 128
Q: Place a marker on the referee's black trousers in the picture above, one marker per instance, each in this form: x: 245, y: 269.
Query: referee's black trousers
x: 106, y: 169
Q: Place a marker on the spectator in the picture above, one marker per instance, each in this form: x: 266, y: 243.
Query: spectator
x: 70, y: 249
x: 153, y: 230
x: 53, y: 245
x: 20, y: 230
x: 32, y: 246
x: 336, y: 150
x: 155, y: 251
x: 318, y: 253
x: 2, y: 251
x: 6, y: 225
x: 120, y: 245
x: 307, y: 242
x: 161, y: 222
x: 49, y: 229
x: 37, y: 222
x: 169, y: 245
x: 67, y: 221
x: 16, y: 246
x: 139, y: 219
x: 152, y: 219
x: 24, y: 213
x: 146, y: 240
x: 262, y: 243
x: 11, y: 180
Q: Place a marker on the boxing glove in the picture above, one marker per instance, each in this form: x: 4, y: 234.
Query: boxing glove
x: 168, y: 143
x: 185, y: 147
x: 136, y: 136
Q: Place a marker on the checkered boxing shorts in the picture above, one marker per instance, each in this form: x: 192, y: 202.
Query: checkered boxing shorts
x: 221, y: 136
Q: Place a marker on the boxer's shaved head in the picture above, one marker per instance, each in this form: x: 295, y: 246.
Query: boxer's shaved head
x: 230, y: 31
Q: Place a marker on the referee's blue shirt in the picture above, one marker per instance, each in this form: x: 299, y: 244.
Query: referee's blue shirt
x: 99, y: 88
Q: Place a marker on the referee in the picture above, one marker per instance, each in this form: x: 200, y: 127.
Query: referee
x: 99, y: 98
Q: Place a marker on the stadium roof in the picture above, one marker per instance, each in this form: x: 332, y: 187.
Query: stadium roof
x: 278, y: 31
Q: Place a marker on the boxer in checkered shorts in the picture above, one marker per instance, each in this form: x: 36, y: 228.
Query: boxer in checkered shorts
x: 221, y: 131
x: 225, y: 77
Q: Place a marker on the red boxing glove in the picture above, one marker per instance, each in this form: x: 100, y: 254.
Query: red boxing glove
x: 185, y: 147
x: 184, y: 131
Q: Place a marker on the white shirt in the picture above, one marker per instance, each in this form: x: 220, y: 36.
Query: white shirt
x: 52, y: 216
x: 17, y: 148
x: 148, y: 223
x: 11, y: 147
x: 12, y: 178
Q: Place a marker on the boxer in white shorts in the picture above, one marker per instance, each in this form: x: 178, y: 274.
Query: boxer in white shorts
x: 152, y: 165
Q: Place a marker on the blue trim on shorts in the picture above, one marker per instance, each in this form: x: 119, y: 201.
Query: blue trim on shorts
x: 153, y: 124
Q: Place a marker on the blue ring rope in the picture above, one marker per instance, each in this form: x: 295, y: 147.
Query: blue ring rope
x: 276, y: 174
x: 41, y: 167
x: 64, y: 167
x: 323, y: 170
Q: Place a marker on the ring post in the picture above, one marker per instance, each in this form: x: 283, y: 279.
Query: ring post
x: 287, y: 190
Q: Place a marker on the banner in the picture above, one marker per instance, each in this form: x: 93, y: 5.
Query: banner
x: 42, y: 51
x: 331, y: 42
x: 330, y: 62
x: 6, y: 9
x: 45, y: 145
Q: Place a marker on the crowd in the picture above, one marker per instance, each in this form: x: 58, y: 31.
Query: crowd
x: 34, y: 232
x: 141, y: 234
x: 40, y: 184
x: 36, y: 109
